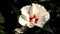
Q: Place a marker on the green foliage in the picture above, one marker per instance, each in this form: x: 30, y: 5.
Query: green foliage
x: 58, y: 9
x: 1, y: 30
x: 52, y: 5
x: 1, y: 18
x: 47, y: 28
x: 42, y: 0
x: 1, y: 21
x: 15, y: 10
x: 1, y: 27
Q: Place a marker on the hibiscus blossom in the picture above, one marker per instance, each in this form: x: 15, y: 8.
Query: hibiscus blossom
x: 33, y: 15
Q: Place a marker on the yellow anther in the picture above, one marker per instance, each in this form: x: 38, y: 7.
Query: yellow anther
x: 33, y: 20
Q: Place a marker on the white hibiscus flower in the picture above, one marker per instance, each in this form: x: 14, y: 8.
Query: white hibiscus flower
x: 33, y: 15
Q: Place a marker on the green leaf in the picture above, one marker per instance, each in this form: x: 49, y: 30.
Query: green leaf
x: 47, y: 28
x: 41, y: 0
x: 1, y: 27
x: 52, y: 5
x: 58, y: 9
x: 15, y: 10
x: 2, y: 32
x: 1, y: 18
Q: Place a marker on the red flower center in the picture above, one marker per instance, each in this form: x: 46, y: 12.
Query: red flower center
x: 33, y: 19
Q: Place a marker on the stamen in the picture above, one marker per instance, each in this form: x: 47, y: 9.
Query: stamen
x: 33, y: 19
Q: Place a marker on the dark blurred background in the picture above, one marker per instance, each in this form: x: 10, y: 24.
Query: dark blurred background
x: 10, y: 10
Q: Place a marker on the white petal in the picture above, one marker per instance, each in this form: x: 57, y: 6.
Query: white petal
x: 47, y: 16
x: 41, y: 24
x: 37, y: 9
x: 44, y: 18
x: 26, y: 15
x: 33, y: 9
x: 25, y: 8
x: 22, y: 21
x: 24, y: 11
x: 30, y: 25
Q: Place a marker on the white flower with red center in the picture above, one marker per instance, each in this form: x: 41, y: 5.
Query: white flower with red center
x: 33, y: 15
